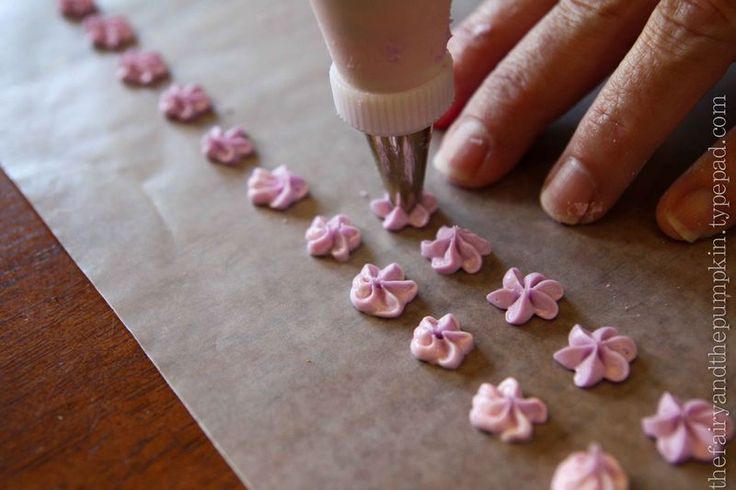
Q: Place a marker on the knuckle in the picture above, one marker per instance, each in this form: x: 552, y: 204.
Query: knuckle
x: 685, y: 22
x: 607, y: 119
x: 579, y: 10
x: 511, y: 81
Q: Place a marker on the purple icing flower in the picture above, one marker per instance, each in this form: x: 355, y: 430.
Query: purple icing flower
x: 688, y: 430
x: 77, y: 9
x: 227, y: 147
x: 337, y: 237
x: 382, y: 292
x: 441, y: 341
x: 504, y: 410
x: 184, y: 102
x: 142, y: 67
x: 455, y: 248
x: 590, y: 470
x: 602, y: 354
x: 278, y: 189
x: 523, y: 297
x: 396, y: 218
x: 111, y: 33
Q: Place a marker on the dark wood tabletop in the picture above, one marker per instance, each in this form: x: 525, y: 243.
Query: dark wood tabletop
x: 81, y: 406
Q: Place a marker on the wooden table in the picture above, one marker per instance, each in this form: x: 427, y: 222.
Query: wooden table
x: 81, y: 406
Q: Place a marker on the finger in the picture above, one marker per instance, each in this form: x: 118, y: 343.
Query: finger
x: 698, y: 204
x: 482, y: 39
x: 564, y: 56
x: 684, y: 49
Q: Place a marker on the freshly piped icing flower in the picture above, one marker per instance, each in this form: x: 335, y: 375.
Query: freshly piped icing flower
x: 337, y: 237
x: 396, y: 218
x: 504, y: 410
x: 523, y: 297
x: 227, y: 147
x: 455, y: 248
x: 594, y: 356
x: 77, y: 9
x: 184, y: 102
x: 382, y: 292
x: 441, y: 342
x: 688, y: 430
x: 590, y: 470
x: 142, y: 67
x: 278, y: 189
x: 113, y: 32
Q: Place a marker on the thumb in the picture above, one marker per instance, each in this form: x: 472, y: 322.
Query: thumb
x: 698, y: 204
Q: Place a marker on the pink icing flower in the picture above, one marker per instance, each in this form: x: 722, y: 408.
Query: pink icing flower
x: 142, y: 67
x: 382, y: 292
x: 687, y: 430
x: 455, y: 248
x: 441, y: 342
x: 590, y: 470
x: 602, y: 354
x: 227, y: 147
x: 77, y: 9
x: 337, y: 237
x: 111, y: 33
x: 395, y: 218
x: 184, y: 102
x: 503, y: 410
x: 523, y: 297
x: 278, y: 189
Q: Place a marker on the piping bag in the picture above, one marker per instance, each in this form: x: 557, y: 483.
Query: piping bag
x: 391, y: 78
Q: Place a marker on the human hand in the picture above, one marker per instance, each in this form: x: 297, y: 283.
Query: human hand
x: 521, y: 64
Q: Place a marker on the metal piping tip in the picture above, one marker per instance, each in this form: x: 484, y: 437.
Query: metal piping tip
x: 402, y: 162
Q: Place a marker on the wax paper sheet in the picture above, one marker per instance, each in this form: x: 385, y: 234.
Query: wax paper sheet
x: 259, y: 340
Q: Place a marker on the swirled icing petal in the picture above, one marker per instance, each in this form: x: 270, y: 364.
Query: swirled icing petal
x: 602, y: 354
x: 523, y: 297
x: 184, y: 103
x: 441, y: 342
x: 455, y: 248
x: 278, y: 189
x: 77, y: 9
x: 502, y: 410
x: 337, y: 237
x: 382, y: 292
x: 142, y: 67
x: 111, y: 33
x: 590, y: 470
x: 688, y: 430
x: 395, y: 218
x: 228, y: 147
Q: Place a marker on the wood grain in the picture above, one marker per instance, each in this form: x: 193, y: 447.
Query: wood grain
x: 81, y: 406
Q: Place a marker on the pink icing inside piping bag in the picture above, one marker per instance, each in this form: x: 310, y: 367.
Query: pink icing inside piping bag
x: 504, y: 410
x: 227, y: 147
x: 395, y: 218
x: 278, y: 189
x: 337, y: 237
x: 590, y: 470
x: 111, y: 33
x: 687, y: 430
x: 523, y: 297
x: 441, y: 342
x: 382, y: 292
x: 184, y: 102
x: 602, y: 354
x: 142, y: 67
x: 455, y: 248
x: 77, y: 9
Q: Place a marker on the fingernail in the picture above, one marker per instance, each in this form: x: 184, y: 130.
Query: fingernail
x: 463, y: 150
x: 689, y: 217
x: 568, y: 196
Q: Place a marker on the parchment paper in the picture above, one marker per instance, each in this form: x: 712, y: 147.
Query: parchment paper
x: 259, y: 340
